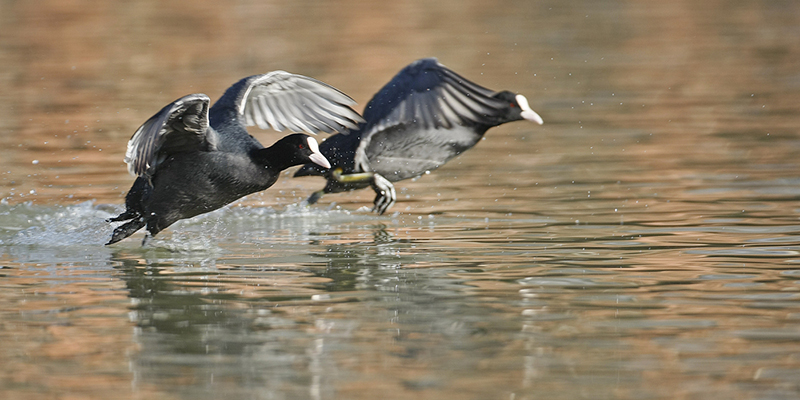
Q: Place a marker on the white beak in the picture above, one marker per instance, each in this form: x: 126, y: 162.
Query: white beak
x: 316, y: 156
x: 527, y: 113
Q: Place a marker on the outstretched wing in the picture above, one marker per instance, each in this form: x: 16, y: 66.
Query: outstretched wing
x: 426, y: 95
x: 281, y: 100
x: 181, y: 126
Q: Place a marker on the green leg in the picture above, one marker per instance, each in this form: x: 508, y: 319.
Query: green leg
x: 351, y: 178
x: 385, y: 195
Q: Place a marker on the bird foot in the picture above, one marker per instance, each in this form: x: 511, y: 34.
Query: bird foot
x: 385, y: 193
x: 315, y: 197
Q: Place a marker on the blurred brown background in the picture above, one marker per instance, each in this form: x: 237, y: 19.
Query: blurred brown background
x: 78, y: 77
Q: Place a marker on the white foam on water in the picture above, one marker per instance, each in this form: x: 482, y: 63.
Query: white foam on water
x: 85, y: 224
x: 56, y: 226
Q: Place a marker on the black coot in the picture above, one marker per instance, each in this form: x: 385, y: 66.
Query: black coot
x: 190, y: 159
x: 426, y: 115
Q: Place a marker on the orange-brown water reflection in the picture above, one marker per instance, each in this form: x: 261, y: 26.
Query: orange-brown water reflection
x: 643, y: 243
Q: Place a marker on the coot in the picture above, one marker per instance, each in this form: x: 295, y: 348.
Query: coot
x: 190, y: 159
x: 426, y: 115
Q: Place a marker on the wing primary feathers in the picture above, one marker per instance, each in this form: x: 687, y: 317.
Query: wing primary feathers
x: 280, y: 100
x: 180, y: 126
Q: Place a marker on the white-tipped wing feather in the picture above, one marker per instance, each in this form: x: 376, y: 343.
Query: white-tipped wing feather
x: 281, y: 100
x: 178, y: 127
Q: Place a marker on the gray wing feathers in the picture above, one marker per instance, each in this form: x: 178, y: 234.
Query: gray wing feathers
x: 180, y: 126
x: 281, y: 100
x: 452, y: 101
x: 455, y: 101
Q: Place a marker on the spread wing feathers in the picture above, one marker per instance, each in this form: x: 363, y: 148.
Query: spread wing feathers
x: 427, y: 95
x: 179, y: 127
x: 281, y: 100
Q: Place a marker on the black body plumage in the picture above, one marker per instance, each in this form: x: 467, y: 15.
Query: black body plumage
x: 190, y: 159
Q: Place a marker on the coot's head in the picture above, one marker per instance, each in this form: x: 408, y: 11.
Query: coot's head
x: 518, y: 107
x: 297, y: 149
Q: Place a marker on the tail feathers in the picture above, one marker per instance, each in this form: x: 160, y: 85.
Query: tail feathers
x: 126, y: 229
x: 128, y: 214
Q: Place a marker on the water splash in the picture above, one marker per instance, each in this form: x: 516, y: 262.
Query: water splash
x: 57, y: 226
x: 84, y: 224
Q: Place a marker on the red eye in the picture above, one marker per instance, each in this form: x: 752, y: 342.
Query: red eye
x: 302, y: 147
x: 511, y: 105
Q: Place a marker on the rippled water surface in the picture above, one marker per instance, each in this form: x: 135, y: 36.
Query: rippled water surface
x: 644, y: 243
